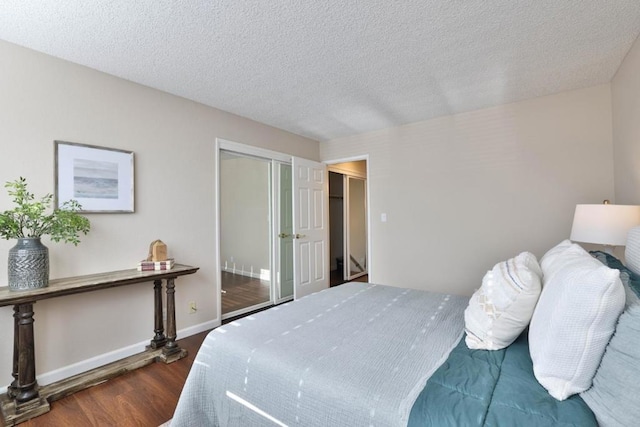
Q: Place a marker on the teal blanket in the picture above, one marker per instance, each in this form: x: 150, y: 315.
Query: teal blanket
x: 493, y: 388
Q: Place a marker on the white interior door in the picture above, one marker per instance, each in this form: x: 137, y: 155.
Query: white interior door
x: 310, y: 225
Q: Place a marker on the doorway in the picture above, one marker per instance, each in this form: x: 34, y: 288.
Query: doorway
x: 255, y: 197
x: 272, y: 227
x: 348, y: 216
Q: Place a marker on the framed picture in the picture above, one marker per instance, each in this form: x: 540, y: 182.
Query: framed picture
x: 99, y: 178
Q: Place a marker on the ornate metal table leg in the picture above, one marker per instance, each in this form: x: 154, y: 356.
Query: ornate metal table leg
x: 159, y: 339
x: 27, y: 386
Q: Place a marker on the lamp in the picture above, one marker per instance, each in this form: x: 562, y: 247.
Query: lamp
x: 604, y: 224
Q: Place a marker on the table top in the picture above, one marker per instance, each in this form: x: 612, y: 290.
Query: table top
x: 91, y: 282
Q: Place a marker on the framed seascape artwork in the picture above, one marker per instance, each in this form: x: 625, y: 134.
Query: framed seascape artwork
x: 99, y: 178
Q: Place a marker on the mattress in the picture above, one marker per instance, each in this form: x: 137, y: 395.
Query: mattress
x: 356, y: 354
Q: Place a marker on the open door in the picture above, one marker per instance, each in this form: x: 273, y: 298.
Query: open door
x: 310, y: 224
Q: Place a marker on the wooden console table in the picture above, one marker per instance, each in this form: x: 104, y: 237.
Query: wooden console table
x: 24, y: 399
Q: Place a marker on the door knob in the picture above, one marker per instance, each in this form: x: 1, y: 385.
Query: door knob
x: 299, y: 236
x: 283, y: 235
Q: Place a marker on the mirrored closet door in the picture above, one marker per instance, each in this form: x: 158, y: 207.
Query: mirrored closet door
x: 284, y: 243
x: 256, y: 232
x: 356, y: 230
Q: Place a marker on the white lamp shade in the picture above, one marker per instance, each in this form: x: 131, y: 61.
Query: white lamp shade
x: 604, y: 224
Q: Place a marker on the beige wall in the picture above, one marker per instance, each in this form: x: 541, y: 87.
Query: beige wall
x: 625, y: 89
x: 463, y: 192
x: 43, y: 99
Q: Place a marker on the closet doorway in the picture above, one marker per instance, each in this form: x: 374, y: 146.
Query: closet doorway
x: 255, y: 198
x: 348, y: 218
x: 272, y: 228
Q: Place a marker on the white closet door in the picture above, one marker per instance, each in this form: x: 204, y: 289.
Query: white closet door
x: 310, y: 224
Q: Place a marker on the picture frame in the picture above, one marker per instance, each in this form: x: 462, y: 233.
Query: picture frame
x: 101, y: 179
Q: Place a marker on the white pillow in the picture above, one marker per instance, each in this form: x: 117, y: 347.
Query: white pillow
x: 501, y: 309
x: 573, y: 322
x: 560, y: 256
x: 555, y: 251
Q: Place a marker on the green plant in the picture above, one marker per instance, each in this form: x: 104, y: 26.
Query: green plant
x: 29, y: 218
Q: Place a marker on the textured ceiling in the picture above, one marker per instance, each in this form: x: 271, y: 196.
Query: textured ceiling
x: 326, y: 69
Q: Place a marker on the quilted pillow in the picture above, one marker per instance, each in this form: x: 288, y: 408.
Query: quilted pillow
x: 573, y: 321
x: 501, y: 309
x: 614, y: 395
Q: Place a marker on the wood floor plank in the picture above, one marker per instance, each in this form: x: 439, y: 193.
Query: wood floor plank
x: 242, y: 292
x: 145, y: 397
x: 95, y: 406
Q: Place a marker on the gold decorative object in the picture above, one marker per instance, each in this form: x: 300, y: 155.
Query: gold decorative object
x: 157, y: 251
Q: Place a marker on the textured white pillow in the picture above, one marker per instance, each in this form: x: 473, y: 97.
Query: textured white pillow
x: 632, y: 250
x: 555, y: 251
x: 573, y: 322
x: 561, y: 255
x: 501, y: 309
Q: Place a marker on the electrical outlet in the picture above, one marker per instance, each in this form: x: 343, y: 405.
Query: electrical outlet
x: 192, y: 307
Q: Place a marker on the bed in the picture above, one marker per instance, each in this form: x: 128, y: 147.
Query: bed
x: 362, y: 354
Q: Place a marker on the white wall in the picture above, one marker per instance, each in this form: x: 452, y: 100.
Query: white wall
x: 43, y: 99
x: 463, y: 192
x: 625, y: 89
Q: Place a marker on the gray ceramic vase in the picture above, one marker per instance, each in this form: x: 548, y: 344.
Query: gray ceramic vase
x: 28, y: 265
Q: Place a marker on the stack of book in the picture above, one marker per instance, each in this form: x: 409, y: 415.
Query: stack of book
x: 155, y: 265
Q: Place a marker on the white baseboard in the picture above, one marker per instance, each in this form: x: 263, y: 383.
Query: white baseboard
x: 92, y: 363
x: 196, y: 329
x: 262, y: 274
x: 112, y: 356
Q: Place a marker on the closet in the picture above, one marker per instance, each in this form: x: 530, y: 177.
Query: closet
x: 272, y: 228
x: 255, y: 199
x: 348, y: 231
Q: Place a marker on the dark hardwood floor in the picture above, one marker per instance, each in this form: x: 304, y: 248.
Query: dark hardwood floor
x: 242, y: 292
x: 336, y: 278
x: 144, y: 397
